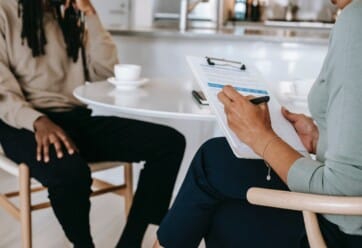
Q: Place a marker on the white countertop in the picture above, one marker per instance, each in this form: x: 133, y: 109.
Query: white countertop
x: 255, y: 32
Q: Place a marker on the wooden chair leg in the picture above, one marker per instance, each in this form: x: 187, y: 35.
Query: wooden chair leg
x: 315, y: 237
x: 128, y: 179
x: 25, y: 207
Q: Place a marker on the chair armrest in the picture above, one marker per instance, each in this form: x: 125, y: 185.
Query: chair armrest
x: 323, y: 204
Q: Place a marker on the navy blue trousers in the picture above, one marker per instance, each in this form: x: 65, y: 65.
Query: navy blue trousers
x: 102, y: 139
x: 212, y: 204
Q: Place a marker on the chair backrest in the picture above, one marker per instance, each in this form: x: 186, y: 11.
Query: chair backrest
x: 309, y: 204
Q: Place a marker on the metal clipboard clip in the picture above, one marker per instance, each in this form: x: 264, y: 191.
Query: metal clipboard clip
x: 224, y: 62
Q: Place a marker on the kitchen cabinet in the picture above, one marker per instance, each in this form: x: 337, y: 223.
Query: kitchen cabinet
x: 113, y: 13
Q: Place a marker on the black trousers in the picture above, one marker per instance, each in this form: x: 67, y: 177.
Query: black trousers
x: 212, y: 204
x: 102, y: 139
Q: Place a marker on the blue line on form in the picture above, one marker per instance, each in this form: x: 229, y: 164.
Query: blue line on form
x: 247, y: 90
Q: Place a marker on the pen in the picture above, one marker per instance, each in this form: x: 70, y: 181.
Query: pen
x: 259, y: 100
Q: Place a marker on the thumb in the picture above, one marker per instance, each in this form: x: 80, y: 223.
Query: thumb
x: 289, y: 115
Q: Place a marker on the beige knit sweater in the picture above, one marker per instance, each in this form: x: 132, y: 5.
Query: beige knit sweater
x: 30, y: 84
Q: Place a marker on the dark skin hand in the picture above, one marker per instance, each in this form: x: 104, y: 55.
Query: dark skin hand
x: 47, y: 133
x: 83, y: 5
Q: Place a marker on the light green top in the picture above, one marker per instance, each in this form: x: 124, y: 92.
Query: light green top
x: 335, y: 102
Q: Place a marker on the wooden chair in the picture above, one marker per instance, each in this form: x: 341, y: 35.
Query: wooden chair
x: 23, y: 212
x: 309, y: 204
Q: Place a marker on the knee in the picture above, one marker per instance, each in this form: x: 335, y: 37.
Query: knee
x: 213, y: 145
x: 212, y: 156
x: 173, y: 140
x: 72, y: 171
x: 215, y: 149
x: 178, y: 140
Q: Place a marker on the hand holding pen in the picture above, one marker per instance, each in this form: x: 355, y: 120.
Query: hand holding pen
x: 247, y: 116
x: 259, y: 100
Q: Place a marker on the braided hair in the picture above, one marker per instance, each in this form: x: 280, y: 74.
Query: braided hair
x: 32, y: 13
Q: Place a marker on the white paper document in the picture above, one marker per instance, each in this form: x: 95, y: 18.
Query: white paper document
x: 248, y: 82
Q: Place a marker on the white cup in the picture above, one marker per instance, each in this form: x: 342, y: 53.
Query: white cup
x: 127, y: 72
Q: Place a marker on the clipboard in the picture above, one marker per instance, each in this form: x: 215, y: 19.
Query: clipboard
x: 248, y: 81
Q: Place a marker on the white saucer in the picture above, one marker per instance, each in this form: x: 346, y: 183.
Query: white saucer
x: 127, y: 85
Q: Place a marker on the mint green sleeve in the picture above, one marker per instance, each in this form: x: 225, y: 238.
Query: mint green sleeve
x: 341, y: 171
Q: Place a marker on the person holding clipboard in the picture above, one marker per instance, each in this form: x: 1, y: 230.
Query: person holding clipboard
x: 212, y: 203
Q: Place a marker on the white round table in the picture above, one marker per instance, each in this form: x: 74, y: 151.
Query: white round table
x: 161, y: 98
x: 163, y: 101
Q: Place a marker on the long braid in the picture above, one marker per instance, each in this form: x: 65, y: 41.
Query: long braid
x: 32, y: 13
x: 32, y: 21
x: 73, y: 31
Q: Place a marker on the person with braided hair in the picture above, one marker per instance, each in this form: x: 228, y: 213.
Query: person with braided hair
x: 47, y: 49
